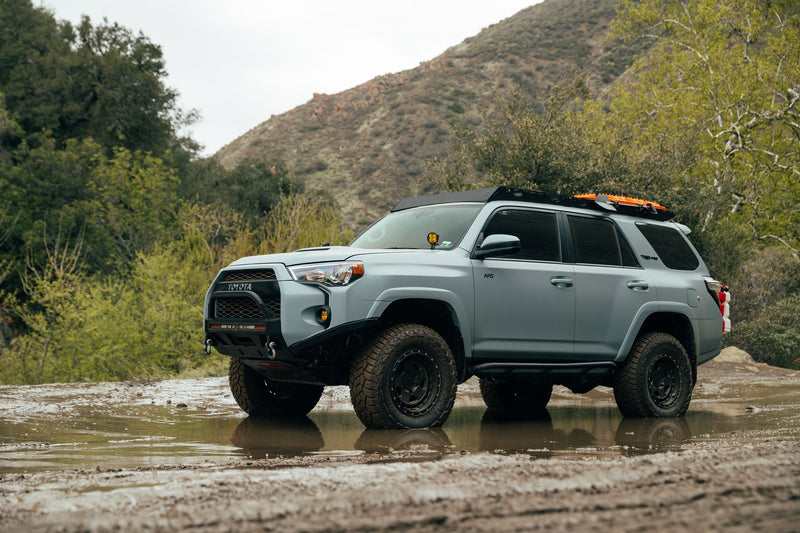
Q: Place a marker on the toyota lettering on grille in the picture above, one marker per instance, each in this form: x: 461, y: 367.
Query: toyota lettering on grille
x: 240, y: 286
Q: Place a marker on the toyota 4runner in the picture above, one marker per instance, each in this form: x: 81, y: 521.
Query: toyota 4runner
x: 522, y: 289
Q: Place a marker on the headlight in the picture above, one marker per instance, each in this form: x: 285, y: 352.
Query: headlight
x: 331, y: 274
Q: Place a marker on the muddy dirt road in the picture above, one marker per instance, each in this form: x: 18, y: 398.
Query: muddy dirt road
x: 176, y: 455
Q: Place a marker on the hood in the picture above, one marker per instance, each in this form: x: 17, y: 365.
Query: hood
x: 301, y: 257
x: 307, y: 256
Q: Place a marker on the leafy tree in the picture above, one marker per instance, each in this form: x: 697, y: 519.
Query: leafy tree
x: 10, y: 132
x: 721, y: 86
x: 252, y: 187
x: 84, y: 113
x: 102, y: 82
x: 119, y: 80
x: 121, y: 205
x: 133, y: 198
x: 33, y: 66
x: 724, y: 76
x: 110, y: 231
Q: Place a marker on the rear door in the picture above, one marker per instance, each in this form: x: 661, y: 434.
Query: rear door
x: 610, y: 287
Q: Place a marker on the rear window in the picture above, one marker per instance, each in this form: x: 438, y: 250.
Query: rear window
x: 598, y: 242
x: 670, y: 246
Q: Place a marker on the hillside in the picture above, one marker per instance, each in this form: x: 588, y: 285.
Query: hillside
x: 368, y: 145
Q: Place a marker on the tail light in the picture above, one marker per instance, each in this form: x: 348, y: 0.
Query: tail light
x: 725, y: 308
x: 721, y: 294
x: 714, y: 287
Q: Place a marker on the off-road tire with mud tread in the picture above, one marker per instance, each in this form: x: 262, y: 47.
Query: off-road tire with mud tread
x: 405, y: 378
x: 259, y: 396
x: 518, y: 397
x: 655, y: 381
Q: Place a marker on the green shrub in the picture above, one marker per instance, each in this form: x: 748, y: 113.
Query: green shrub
x: 774, y: 337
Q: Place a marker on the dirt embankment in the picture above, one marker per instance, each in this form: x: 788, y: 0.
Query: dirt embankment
x: 744, y: 478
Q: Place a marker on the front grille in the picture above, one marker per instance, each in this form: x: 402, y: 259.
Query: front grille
x: 238, y: 308
x: 264, y: 274
x: 274, y: 305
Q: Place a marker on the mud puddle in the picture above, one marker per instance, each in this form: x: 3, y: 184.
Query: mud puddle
x: 180, y: 455
x: 195, y: 422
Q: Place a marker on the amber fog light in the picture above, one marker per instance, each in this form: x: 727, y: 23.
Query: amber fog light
x: 324, y: 315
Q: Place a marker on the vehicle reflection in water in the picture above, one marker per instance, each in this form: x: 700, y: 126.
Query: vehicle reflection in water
x: 586, y: 431
x: 152, y: 435
x: 265, y: 437
x: 421, y: 441
x: 557, y: 431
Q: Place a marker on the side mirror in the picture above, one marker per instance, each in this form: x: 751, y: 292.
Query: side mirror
x: 497, y: 245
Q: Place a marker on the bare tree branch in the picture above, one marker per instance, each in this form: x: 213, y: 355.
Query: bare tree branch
x: 795, y: 251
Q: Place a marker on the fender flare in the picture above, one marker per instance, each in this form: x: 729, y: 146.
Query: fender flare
x: 453, y: 302
x: 644, y: 313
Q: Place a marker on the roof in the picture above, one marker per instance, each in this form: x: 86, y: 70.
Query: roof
x: 598, y: 202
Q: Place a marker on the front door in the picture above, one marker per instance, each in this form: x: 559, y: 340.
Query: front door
x: 524, y: 303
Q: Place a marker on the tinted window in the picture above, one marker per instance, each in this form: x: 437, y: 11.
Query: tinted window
x: 595, y: 241
x: 537, y: 232
x: 670, y: 246
x: 599, y: 242
x: 628, y: 257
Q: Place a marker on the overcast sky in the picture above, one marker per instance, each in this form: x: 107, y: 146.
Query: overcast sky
x: 238, y: 62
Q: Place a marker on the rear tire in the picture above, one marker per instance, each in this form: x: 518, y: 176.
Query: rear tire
x: 655, y: 381
x: 518, y: 398
x: 406, y: 378
x: 259, y: 396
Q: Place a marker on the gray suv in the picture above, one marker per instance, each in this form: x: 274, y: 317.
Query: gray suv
x: 522, y: 289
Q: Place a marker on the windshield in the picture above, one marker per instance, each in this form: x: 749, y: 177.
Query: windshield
x: 410, y: 228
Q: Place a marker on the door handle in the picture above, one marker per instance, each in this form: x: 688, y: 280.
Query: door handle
x: 638, y: 285
x: 563, y: 282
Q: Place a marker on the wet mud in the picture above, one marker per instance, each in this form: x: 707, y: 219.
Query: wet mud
x: 180, y: 454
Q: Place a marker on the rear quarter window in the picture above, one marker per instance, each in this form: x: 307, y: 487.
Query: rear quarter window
x: 671, y: 246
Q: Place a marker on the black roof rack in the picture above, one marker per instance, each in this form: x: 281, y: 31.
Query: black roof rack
x: 522, y: 195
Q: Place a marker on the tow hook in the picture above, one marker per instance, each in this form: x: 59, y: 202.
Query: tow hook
x: 207, y: 347
x: 271, y: 346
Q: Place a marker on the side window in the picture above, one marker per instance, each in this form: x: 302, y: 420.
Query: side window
x: 628, y: 257
x: 598, y: 242
x: 670, y: 246
x: 537, y: 232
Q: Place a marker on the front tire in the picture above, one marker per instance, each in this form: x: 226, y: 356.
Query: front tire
x: 655, y: 381
x: 259, y: 396
x: 406, y: 378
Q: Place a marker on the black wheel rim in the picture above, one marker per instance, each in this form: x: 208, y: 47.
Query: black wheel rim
x: 414, y: 383
x: 664, y: 381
